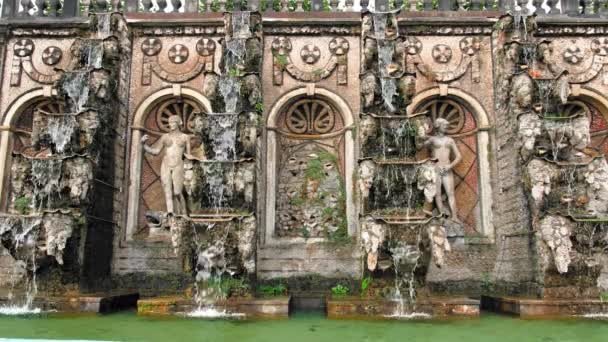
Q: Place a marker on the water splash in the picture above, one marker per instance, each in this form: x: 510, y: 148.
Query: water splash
x: 61, y: 128
x: 389, y: 91
x: 213, y: 313
x: 230, y: 89
x: 405, y: 262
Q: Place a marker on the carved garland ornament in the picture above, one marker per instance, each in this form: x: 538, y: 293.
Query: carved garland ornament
x: 178, y: 54
x: 281, y: 48
x: 22, y: 61
x: 469, y: 46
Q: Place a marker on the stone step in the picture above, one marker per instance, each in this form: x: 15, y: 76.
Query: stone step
x: 326, y: 260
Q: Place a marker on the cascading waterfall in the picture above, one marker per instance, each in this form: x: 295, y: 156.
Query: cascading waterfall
x: 222, y: 130
x: 388, y: 85
x: 103, y: 25
x: 24, y: 243
x: 61, y: 128
x: 220, y: 183
x: 394, y: 187
x: 77, y: 90
x: 379, y: 25
x: 210, y: 268
x: 240, y: 25
x: 405, y: 259
x: 95, y: 55
x: 46, y: 175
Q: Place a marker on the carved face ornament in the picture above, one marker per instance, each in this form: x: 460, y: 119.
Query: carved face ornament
x: 599, y: 46
x: 412, y: 45
x: 470, y: 45
x: 281, y: 45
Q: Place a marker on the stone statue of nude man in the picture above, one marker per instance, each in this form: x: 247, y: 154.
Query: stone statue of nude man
x: 176, y: 145
x: 442, y: 149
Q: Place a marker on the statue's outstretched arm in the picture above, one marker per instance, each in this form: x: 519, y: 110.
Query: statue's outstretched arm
x: 156, y: 148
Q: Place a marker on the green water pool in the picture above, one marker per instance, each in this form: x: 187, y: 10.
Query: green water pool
x: 301, y: 327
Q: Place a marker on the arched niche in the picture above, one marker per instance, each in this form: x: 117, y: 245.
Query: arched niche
x: 170, y: 101
x: 470, y: 129
x: 307, y: 135
x: 597, y: 107
x: 15, y: 130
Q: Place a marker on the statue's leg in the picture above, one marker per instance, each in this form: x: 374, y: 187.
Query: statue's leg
x: 448, y: 183
x: 178, y: 188
x: 438, y: 193
x: 165, y: 180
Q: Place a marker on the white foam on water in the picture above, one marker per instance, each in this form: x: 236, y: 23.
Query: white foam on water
x: 596, y: 316
x: 213, y: 313
x: 13, y: 310
x: 413, y: 315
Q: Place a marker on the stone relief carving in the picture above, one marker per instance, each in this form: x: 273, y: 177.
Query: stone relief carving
x: 310, y: 54
x: 573, y: 55
x: 469, y: 47
x: 596, y: 178
x: 310, y: 117
x: 177, y: 54
x: 540, y: 174
x: 338, y: 48
x: 442, y: 53
x: 23, y: 49
x: 51, y: 55
x: 439, y: 243
x: 176, y: 145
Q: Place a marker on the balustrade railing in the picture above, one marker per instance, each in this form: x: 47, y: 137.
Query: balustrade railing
x: 75, y: 8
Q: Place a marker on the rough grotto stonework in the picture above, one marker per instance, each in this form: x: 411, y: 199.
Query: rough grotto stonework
x: 213, y: 151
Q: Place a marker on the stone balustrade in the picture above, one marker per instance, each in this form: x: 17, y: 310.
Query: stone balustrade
x: 61, y: 9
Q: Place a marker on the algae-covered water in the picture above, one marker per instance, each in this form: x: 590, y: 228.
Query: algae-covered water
x: 300, y: 327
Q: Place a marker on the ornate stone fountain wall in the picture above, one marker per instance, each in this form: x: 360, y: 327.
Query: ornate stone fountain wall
x: 310, y: 144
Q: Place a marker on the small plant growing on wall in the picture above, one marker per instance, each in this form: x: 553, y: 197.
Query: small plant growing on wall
x: 22, y: 205
x: 340, y: 290
x: 273, y: 290
x: 365, y: 284
x: 604, y: 296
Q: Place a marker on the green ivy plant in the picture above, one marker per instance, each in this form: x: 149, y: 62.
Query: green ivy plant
x: 340, y: 290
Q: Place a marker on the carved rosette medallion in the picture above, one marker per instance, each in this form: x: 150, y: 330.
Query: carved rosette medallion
x: 310, y: 54
x: 573, y: 55
x: 442, y: 53
x: 151, y: 46
x: 22, y: 61
x: 338, y: 48
x: 51, y: 55
x: 177, y: 54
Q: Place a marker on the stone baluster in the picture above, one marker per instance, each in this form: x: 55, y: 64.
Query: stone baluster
x: 461, y: 5
x: 382, y: 5
x: 221, y: 6
x: 27, y: 6
x: 364, y: 5
x: 177, y: 4
x: 413, y: 5
x: 427, y: 5
x: 191, y: 6
x: 348, y: 5
x: 41, y: 6
x: 54, y: 7
x: 552, y: 7
x: 162, y: 5
x: 132, y: 6
x: 538, y: 4
x: 100, y: 5
x: 299, y: 6
x: 209, y: 4
x: 85, y: 6
x: 253, y: 5
x: 445, y: 5
x: 284, y: 6
x: 333, y: 5
x: 569, y: 7
x: 475, y: 5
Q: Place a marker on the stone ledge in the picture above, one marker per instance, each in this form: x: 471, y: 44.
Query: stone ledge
x: 85, y: 303
x: 274, y: 308
x: 543, y: 308
x: 362, y: 308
